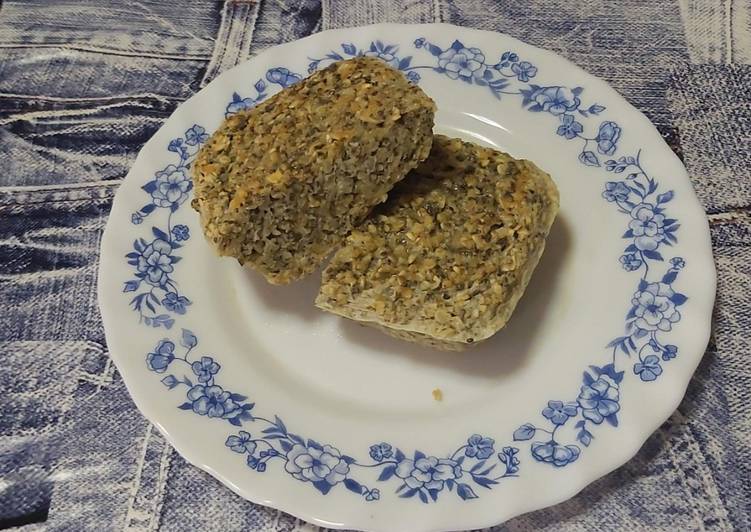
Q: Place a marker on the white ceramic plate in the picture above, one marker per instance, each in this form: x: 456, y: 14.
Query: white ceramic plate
x: 337, y: 424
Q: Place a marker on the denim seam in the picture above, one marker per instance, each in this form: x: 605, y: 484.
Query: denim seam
x: 109, y: 51
x: 23, y: 196
x: 150, y: 482
x: 686, y: 456
x: 233, y: 39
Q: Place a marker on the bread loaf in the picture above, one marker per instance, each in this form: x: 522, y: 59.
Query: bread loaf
x: 279, y: 186
x: 445, y: 260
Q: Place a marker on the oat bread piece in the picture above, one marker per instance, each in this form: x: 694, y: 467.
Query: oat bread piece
x: 444, y: 261
x: 278, y: 186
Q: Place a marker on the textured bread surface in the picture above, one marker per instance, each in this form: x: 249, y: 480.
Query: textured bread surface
x: 445, y: 260
x: 278, y: 186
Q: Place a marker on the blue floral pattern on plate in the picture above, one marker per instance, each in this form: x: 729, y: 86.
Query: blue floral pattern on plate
x: 280, y: 76
x: 474, y: 464
x: 654, y: 307
x: 154, y: 259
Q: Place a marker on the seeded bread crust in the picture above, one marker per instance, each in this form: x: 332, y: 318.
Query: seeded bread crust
x: 279, y: 186
x: 445, y: 260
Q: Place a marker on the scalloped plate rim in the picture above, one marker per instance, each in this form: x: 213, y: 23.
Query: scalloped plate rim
x: 575, y: 483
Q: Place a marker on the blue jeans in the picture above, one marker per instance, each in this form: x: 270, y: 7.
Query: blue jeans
x: 84, y: 83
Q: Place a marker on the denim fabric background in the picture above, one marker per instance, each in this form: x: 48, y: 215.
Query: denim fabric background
x: 84, y: 83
